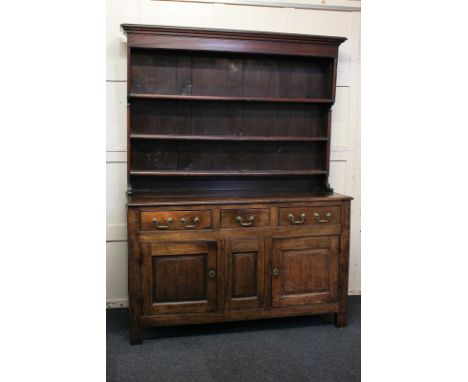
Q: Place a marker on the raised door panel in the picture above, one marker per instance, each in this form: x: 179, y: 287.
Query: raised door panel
x: 304, y: 270
x: 179, y: 277
x: 245, y: 261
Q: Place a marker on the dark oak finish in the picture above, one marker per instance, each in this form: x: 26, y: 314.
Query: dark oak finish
x: 239, y: 99
x: 179, y: 277
x: 218, y: 105
x: 235, y: 218
x: 204, y: 173
x: 305, y: 270
x: 245, y: 268
x: 225, y: 138
x: 230, y: 214
x: 306, y: 215
x: 162, y: 220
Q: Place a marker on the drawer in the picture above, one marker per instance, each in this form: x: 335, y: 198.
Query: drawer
x: 171, y: 220
x: 290, y: 216
x: 250, y: 217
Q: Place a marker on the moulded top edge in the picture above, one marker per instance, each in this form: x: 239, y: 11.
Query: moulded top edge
x: 231, y: 33
x: 147, y: 200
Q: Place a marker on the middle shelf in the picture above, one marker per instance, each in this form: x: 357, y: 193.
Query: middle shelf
x: 230, y: 121
x: 327, y: 101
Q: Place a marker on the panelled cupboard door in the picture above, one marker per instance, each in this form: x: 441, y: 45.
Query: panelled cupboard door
x: 245, y: 271
x: 179, y: 277
x: 304, y: 270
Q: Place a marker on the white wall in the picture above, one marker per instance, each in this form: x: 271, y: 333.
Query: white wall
x: 339, y: 18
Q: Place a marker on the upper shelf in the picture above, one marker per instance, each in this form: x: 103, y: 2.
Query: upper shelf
x: 237, y: 99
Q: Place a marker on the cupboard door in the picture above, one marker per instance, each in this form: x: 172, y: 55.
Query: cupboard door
x: 304, y: 270
x: 179, y: 277
x: 245, y: 270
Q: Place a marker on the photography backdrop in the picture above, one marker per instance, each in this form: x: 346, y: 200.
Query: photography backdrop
x: 334, y: 18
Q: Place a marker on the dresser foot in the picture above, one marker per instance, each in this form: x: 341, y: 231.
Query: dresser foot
x: 341, y: 319
x: 136, y: 337
x: 136, y: 341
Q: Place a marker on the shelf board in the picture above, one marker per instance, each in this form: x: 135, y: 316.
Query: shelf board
x: 239, y: 99
x: 228, y: 173
x: 241, y: 138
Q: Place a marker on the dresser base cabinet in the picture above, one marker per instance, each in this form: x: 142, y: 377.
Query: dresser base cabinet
x: 226, y: 260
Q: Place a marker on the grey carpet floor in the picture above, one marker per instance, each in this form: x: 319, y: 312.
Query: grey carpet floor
x: 287, y: 350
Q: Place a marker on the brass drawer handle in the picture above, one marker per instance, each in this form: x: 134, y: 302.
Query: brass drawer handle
x: 212, y: 274
x: 196, y: 220
x: 158, y: 226
x: 326, y: 220
x: 293, y: 220
x: 241, y: 221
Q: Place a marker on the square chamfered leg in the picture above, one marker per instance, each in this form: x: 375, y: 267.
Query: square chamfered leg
x: 136, y: 337
x: 134, y: 264
x: 341, y: 319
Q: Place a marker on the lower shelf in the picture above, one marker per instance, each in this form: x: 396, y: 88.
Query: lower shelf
x: 228, y: 173
x: 235, y: 138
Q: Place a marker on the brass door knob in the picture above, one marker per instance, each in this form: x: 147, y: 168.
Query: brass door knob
x: 276, y: 272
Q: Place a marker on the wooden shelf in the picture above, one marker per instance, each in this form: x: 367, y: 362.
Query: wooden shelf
x: 228, y: 173
x: 240, y: 138
x: 238, y: 99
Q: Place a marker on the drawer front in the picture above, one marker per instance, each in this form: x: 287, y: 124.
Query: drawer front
x: 245, y: 218
x: 175, y: 220
x: 291, y: 216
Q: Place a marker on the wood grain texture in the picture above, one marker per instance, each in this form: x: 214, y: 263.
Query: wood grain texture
x: 176, y: 277
x: 229, y: 135
x: 162, y: 37
x: 313, y: 215
x: 179, y: 278
x: 243, y: 77
x: 341, y: 317
x: 192, y: 319
x: 197, y: 98
x: 311, y: 260
x: 275, y: 88
x: 306, y: 270
x: 134, y: 277
x: 180, y: 220
x: 245, y: 260
x: 296, y: 199
x: 248, y: 218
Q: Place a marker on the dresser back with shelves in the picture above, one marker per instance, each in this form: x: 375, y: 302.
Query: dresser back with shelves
x: 213, y: 110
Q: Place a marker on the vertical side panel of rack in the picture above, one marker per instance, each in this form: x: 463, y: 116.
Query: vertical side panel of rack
x: 328, y: 146
x: 129, y: 127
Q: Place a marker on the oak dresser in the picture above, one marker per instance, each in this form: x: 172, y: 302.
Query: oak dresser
x: 230, y: 213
